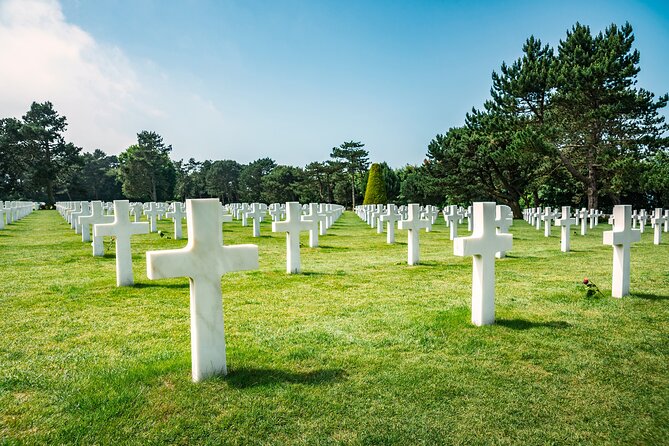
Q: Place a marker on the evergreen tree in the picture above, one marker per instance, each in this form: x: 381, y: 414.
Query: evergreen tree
x: 145, y: 169
x: 354, y: 159
x: 375, y: 192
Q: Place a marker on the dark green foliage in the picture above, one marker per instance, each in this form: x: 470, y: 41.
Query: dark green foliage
x: 145, y: 169
x: 282, y: 184
x: 222, y: 180
x: 354, y: 160
x: 375, y: 192
x: 250, y: 179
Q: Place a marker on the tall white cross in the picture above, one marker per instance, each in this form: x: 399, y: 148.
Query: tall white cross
x: 204, y: 260
x: 390, y: 218
x: 503, y: 221
x: 413, y: 224
x: 318, y: 218
x: 256, y: 213
x: 482, y: 245
x: 177, y: 214
x: 96, y: 217
x: 122, y: 228
x: 292, y: 226
x: 658, y: 220
x: 136, y: 210
x: 565, y: 221
x: 537, y: 218
x: 583, y: 216
x: 548, y: 216
x: 453, y: 218
x: 643, y: 218
x: 621, y: 238
x: 84, y: 209
x: 152, y: 214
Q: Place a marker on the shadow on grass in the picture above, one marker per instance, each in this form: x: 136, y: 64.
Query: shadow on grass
x: 161, y: 285
x: 524, y: 324
x: 649, y: 296
x: 250, y: 377
x: 334, y: 248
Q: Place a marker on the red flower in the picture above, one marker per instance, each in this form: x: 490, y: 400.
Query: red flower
x: 585, y: 281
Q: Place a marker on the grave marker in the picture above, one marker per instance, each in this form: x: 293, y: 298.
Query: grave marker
x: 621, y: 237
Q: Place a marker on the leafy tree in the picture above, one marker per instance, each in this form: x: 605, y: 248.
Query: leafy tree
x: 145, y: 169
x: 418, y: 186
x: 599, y: 118
x: 282, y: 184
x: 375, y: 193
x: 250, y: 179
x: 190, y: 179
x: 98, y: 176
x: 223, y: 178
x: 49, y: 157
x: 354, y: 159
x: 13, y: 162
x: 324, y: 175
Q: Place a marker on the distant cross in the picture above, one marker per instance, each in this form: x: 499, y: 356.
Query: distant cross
x: 292, y: 226
x: 482, y: 245
x: 256, y: 213
x: 470, y: 218
x: 204, y: 260
x: 583, y: 215
x: 503, y: 221
x: 319, y: 219
x: 658, y: 220
x: 380, y: 210
x: 565, y: 221
x: 122, y: 228
x: 537, y: 217
x: 84, y: 209
x: 413, y: 224
x: 244, y: 213
x: 548, y: 216
x: 643, y: 218
x: 666, y: 221
x: 325, y: 224
x: 390, y: 218
x: 95, y: 218
x: 453, y: 218
x: 431, y: 214
x: 621, y: 238
x: 152, y: 214
x: 592, y: 216
x: 177, y: 214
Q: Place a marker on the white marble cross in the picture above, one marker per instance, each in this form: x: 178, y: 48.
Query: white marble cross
x: 152, y: 214
x: 122, y: 228
x: 177, y: 214
x: 84, y: 209
x: 319, y: 219
x: 482, y: 245
x: 643, y: 218
x: 96, y: 217
x: 666, y: 221
x: 413, y: 224
x: 565, y: 221
x: 453, y: 218
x: 583, y: 216
x: 204, y: 260
x: 256, y: 213
x: 292, y: 226
x: 621, y: 238
x: 548, y: 216
x: 430, y: 213
x: 503, y: 221
x: 390, y: 218
x: 136, y: 210
x: 658, y: 220
x: 537, y: 218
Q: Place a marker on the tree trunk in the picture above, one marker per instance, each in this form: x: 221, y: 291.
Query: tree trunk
x: 515, y: 207
x: 49, y: 192
x: 353, y: 191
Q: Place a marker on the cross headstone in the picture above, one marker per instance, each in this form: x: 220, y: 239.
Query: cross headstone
x: 666, y: 221
x: 96, y: 217
x: 482, y: 245
x: 204, y: 260
x: 537, y: 218
x: 548, y: 216
x: 643, y: 218
x: 152, y: 214
x: 565, y: 221
x: 413, y: 224
x: 136, y: 210
x: 292, y: 226
x: 453, y: 218
x: 390, y: 218
x: 256, y: 213
x: 177, y: 214
x: 503, y: 221
x: 122, y: 229
x: 583, y: 216
x: 319, y: 219
x: 621, y: 237
x: 658, y: 220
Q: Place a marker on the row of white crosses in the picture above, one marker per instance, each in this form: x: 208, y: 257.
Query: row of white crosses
x: 13, y: 211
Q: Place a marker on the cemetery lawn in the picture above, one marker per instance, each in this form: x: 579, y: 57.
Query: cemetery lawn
x: 359, y: 349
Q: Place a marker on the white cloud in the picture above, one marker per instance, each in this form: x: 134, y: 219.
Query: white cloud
x: 96, y: 86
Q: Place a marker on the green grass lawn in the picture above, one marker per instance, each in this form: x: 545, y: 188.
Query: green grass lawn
x: 359, y: 349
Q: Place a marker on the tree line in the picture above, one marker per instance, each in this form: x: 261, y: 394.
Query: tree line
x: 565, y: 126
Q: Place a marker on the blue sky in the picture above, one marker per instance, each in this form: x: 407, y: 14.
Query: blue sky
x: 286, y: 79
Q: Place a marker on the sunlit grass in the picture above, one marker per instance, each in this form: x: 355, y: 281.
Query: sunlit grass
x: 359, y: 349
